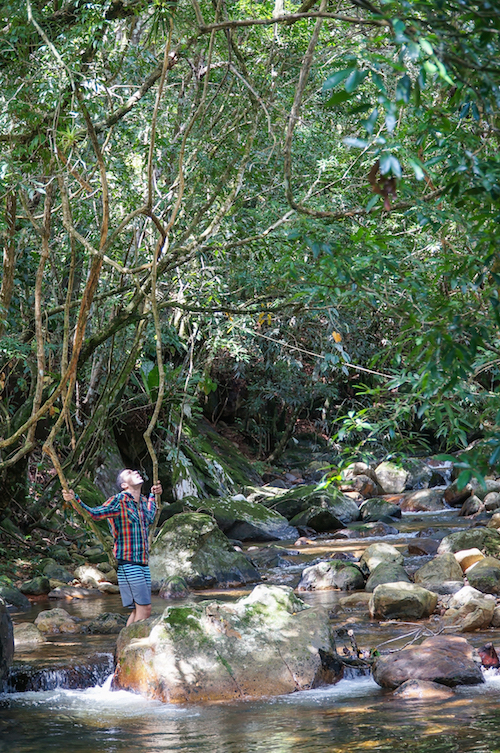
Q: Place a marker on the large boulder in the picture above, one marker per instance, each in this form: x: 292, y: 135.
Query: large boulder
x: 442, y: 568
x: 267, y: 643
x: 192, y: 546
x: 6, y: 641
x: 320, y: 519
x: 446, y: 660
x: 487, y: 540
x: 375, y: 509
x: 302, y: 498
x: 333, y: 574
x: 247, y: 521
x: 401, y: 601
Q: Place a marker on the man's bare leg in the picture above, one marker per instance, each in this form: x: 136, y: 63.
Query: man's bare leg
x: 140, y: 612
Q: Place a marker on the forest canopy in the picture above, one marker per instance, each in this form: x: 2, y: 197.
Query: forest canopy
x: 266, y: 212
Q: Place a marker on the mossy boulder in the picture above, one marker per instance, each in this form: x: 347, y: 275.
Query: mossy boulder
x: 320, y: 519
x: 386, y: 572
x: 13, y: 596
x: 487, y: 540
x: 401, y: 601
x: 192, y: 546
x: 376, y: 509
x: 247, y: 521
x: 267, y: 643
x: 440, y: 569
x: 302, y: 498
x: 36, y: 586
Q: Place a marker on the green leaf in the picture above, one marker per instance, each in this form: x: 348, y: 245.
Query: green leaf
x: 426, y: 47
x: 354, y: 80
x: 357, y: 143
x: 389, y: 164
x: 337, y: 99
x: 378, y: 81
x: 370, y: 122
x: 336, y: 78
x: 372, y: 202
x: 403, y: 89
x: 417, y: 168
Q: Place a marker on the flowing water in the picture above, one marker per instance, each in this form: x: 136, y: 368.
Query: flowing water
x: 355, y: 715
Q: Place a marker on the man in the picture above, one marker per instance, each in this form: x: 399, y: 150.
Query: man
x: 129, y: 515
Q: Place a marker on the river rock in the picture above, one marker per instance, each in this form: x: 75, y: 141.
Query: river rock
x: 55, y: 621
x: 191, y: 545
x: 454, y: 496
x: 482, y: 488
x: 90, y: 576
x: 401, y: 601
x: 36, y: 586
x: 27, y: 635
x: 373, y: 510
x: 446, y: 660
x: 6, y: 641
x: 107, y: 623
x: 487, y: 540
x: 247, y: 521
x: 366, y: 531
x: 377, y: 553
x: 468, y: 557
x: 267, y: 643
x: 333, y: 574
x: 485, y: 575
x: 13, y: 597
x: 442, y: 568
x: 492, y: 501
x: 494, y: 521
x: 469, y: 610
x: 57, y: 572
x: 421, y: 547
x: 495, y: 620
x: 471, y: 506
x: 391, y: 477
x: 422, y: 500
x: 386, y: 572
x: 363, y: 485
x: 422, y: 690
x: 174, y: 588
x: 73, y: 592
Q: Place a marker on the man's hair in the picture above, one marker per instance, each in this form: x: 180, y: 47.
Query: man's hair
x: 119, y: 479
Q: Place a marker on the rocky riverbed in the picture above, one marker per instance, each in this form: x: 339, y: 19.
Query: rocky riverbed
x: 371, y: 568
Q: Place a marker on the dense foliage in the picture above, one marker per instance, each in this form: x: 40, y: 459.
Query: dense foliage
x: 271, y: 211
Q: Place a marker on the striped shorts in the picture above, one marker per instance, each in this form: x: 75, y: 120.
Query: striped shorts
x: 135, y: 585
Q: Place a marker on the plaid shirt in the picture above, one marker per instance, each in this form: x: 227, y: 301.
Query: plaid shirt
x: 129, y: 523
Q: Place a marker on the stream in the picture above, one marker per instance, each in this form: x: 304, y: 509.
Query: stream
x: 353, y: 715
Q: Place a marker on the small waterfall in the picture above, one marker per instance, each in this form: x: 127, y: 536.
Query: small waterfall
x: 24, y: 677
